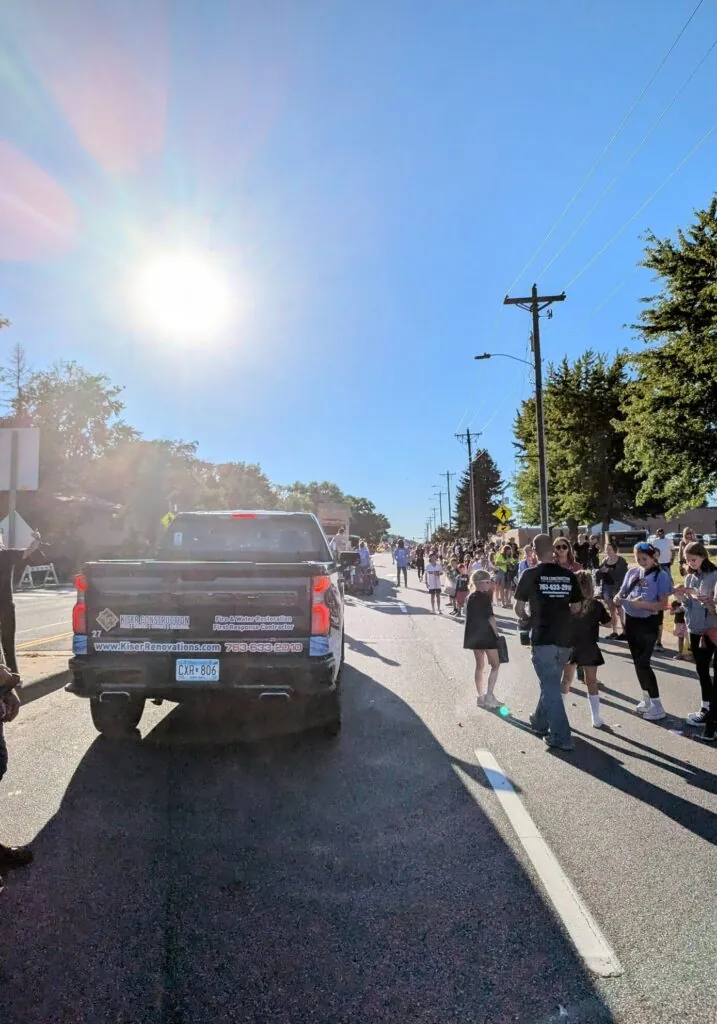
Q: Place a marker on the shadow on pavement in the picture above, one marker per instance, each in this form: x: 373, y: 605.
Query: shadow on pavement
x: 683, y: 769
x: 44, y: 688
x: 660, y: 665
x: 188, y: 877
x: 591, y: 758
x: 361, y: 647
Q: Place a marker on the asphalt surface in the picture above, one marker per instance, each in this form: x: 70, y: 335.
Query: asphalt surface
x: 44, y: 618
x: 195, y: 874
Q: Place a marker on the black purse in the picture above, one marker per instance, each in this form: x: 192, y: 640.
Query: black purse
x: 502, y: 648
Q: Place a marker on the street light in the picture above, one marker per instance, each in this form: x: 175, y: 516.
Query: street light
x: 504, y: 355
x: 540, y: 430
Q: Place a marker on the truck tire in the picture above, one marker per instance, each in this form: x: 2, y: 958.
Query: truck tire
x: 116, y: 720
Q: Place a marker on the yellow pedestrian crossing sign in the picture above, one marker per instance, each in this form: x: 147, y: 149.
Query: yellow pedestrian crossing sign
x: 503, y: 528
x: 503, y: 514
x: 168, y: 518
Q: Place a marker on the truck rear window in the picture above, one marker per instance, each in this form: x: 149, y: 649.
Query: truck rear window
x: 264, y: 538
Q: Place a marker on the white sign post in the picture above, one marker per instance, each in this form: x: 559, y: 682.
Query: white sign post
x: 19, y: 468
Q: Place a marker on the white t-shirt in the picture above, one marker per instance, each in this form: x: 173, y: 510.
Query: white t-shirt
x: 665, y: 548
x: 434, y: 573
x: 339, y: 543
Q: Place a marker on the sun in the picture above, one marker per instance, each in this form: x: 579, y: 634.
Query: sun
x: 183, y: 294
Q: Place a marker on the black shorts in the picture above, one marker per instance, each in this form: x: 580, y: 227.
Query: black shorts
x: 435, y: 590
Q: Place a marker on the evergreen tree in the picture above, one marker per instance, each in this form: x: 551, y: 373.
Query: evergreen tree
x: 670, y: 409
x: 488, y: 487
x: 584, y: 442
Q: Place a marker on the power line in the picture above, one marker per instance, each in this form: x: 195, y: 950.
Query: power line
x: 627, y: 163
x: 647, y: 202
x: 571, y: 202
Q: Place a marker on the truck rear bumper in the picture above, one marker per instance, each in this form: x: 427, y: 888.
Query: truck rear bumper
x: 252, y: 680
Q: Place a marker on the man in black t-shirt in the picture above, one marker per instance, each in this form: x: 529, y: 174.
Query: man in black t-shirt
x: 552, y: 594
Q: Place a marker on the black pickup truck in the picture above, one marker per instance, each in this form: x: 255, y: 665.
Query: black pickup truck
x: 242, y: 605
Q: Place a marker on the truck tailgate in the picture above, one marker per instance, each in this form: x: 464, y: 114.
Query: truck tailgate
x: 215, y: 607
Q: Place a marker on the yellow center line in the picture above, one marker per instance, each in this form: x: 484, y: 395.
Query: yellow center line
x: 26, y: 644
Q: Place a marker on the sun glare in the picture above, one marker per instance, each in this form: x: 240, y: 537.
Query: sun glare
x: 183, y: 295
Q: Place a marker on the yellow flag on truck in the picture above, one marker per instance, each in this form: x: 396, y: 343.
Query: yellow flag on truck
x: 168, y: 518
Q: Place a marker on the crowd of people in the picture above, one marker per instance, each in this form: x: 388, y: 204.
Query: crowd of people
x: 563, y: 595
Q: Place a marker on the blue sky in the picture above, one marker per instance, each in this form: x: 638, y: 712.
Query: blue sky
x: 371, y: 176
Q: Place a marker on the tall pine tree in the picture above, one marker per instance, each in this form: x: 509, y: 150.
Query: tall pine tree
x: 488, y: 487
x: 671, y: 406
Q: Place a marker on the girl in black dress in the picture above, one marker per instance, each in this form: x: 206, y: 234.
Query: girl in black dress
x: 586, y: 653
x: 480, y: 636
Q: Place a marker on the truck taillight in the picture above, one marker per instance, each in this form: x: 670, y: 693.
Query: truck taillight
x: 79, y: 618
x: 79, y: 612
x: 320, y: 612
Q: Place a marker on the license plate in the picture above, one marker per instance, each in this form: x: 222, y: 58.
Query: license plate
x: 203, y: 670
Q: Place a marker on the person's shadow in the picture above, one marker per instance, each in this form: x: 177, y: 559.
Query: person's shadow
x: 594, y: 758
x: 190, y: 876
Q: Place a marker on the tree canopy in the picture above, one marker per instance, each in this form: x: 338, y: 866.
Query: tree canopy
x: 584, y: 443
x: 88, y: 449
x: 670, y: 408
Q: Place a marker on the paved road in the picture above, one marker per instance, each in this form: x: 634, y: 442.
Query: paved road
x: 44, y: 619
x: 193, y: 876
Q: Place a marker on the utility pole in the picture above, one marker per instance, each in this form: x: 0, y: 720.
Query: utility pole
x: 448, y: 476
x: 435, y: 521
x: 535, y: 304
x: 467, y: 439
x: 440, y: 502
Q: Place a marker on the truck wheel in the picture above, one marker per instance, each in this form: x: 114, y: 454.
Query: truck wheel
x: 116, y: 720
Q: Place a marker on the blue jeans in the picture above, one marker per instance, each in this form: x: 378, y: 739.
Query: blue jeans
x: 549, y: 716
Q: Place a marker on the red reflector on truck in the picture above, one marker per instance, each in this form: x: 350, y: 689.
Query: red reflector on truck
x: 243, y: 515
x: 80, y: 583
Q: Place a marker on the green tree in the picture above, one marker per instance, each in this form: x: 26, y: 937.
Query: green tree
x: 670, y: 409
x: 365, y: 520
x: 584, y: 443
x: 488, y: 488
x: 79, y: 416
x: 300, y: 497
x: 235, y: 485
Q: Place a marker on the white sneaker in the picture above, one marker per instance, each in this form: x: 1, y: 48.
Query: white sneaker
x: 643, y: 706
x: 491, y: 701
x: 654, y: 713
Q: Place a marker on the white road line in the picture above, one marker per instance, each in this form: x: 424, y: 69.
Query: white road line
x: 45, y: 625
x: 581, y: 926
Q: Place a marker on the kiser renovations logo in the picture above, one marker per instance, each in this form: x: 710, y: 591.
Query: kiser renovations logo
x: 107, y: 619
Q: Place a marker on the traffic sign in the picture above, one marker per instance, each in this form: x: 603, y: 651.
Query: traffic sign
x: 503, y: 514
x: 503, y: 528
